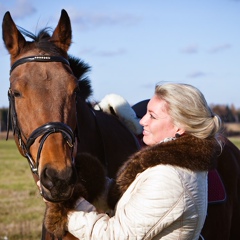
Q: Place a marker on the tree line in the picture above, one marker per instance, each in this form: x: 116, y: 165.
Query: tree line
x: 228, y: 114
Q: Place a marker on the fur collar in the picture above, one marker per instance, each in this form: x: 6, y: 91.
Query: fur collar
x: 187, y: 152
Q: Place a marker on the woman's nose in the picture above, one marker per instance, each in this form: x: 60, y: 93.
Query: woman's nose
x: 142, y: 121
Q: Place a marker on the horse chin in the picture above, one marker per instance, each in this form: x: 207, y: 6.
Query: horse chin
x: 56, y: 196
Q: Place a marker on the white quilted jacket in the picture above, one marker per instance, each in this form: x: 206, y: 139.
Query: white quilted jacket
x: 163, y: 202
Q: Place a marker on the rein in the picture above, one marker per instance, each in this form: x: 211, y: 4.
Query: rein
x: 45, y: 130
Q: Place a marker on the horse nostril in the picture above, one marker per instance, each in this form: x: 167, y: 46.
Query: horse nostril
x: 46, y: 178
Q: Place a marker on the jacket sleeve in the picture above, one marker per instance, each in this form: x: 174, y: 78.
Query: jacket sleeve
x: 151, y: 203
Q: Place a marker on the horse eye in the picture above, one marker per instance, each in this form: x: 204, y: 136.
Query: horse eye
x: 77, y: 90
x: 16, y: 94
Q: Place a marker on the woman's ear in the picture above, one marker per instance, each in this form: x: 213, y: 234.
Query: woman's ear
x: 179, y: 133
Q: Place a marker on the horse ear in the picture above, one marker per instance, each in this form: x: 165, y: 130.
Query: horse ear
x: 13, y: 39
x: 62, y: 34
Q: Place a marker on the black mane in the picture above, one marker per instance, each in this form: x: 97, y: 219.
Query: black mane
x: 41, y: 40
x: 78, y: 66
x: 80, y: 69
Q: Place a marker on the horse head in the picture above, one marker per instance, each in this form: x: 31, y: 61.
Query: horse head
x: 42, y: 103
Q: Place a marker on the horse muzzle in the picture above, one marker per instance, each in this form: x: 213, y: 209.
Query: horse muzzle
x: 57, y: 186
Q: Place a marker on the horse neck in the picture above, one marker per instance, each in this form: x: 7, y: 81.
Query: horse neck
x: 89, y: 138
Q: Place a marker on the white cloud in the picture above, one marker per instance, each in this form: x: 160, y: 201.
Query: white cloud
x: 191, y: 49
x: 220, y: 48
x: 111, y: 53
x: 196, y: 74
x: 91, y: 20
x: 22, y: 9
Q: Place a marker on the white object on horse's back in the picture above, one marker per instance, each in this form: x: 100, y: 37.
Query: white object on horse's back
x: 122, y: 109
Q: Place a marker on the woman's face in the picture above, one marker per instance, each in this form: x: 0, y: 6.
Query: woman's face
x: 157, y: 124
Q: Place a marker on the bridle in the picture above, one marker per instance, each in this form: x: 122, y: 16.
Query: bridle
x: 46, y: 129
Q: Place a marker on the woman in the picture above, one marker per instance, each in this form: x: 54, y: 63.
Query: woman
x: 163, y: 187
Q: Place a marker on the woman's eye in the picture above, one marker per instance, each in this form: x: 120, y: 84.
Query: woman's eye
x: 152, y: 117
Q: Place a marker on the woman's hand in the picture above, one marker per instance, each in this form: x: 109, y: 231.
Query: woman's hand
x: 40, y: 190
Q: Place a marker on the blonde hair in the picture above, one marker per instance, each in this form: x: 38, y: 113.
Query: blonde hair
x: 189, y: 110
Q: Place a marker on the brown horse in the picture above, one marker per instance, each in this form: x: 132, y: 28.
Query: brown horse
x: 49, y: 112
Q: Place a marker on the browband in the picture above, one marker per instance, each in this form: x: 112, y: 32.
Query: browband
x: 39, y: 59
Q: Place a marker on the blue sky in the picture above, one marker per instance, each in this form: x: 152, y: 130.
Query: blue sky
x: 132, y: 45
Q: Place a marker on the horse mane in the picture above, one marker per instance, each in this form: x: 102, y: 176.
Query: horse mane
x: 41, y: 40
x: 78, y: 66
x: 80, y: 69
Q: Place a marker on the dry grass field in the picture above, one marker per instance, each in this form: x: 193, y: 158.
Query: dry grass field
x: 232, y: 129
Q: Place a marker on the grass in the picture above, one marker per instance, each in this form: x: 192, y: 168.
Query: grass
x: 21, y: 207
x: 235, y: 140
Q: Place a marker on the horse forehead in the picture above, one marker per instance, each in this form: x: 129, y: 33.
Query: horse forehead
x: 44, y: 77
x: 41, y: 74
